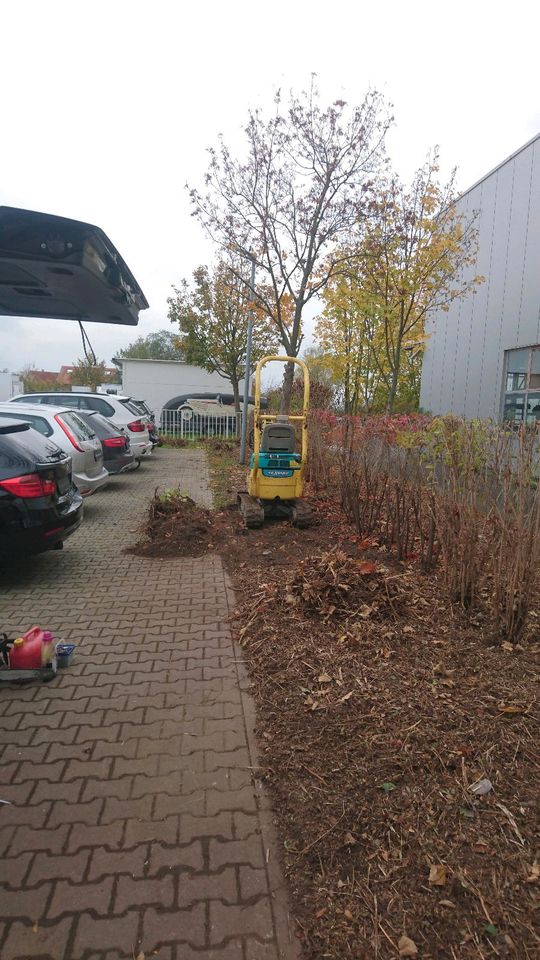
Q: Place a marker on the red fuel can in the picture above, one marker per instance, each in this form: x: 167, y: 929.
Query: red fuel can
x: 27, y: 651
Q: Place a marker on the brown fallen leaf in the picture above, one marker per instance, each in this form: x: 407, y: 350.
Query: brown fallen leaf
x: 447, y: 903
x: 407, y: 947
x: 324, y: 678
x: 481, y: 848
x: 348, y: 914
x: 437, y: 874
x: 366, y: 567
x: 349, y: 840
x: 320, y: 913
x: 512, y: 708
x: 140, y: 956
x: 535, y: 873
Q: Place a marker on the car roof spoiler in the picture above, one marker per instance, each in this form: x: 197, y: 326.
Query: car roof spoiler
x: 52, y: 267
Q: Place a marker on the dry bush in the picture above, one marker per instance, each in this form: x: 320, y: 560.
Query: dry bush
x: 458, y: 455
x: 462, y: 493
x: 321, y: 469
x: 385, y: 492
x: 514, y: 534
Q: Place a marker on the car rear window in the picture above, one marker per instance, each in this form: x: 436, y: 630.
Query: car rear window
x: 132, y: 407
x: 80, y: 429
x: 96, y: 403
x: 55, y: 399
x: 35, y: 421
x: 99, y: 424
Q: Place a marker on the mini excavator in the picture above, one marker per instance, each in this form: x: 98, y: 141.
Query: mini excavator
x: 276, y: 469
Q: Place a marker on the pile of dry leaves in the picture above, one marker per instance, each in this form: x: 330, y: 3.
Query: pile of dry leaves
x: 335, y: 584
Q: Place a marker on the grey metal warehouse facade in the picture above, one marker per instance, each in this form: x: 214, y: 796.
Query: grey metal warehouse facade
x: 482, y: 358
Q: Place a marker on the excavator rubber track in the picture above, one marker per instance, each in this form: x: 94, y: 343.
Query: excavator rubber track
x: 251, y: 511
x: 301, y: 514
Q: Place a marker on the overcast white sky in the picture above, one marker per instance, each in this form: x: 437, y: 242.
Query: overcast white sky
x: 108, y: 106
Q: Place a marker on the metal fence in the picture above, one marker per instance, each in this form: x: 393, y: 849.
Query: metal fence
x: 190, y: 426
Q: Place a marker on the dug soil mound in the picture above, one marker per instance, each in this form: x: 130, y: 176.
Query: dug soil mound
x: 176, y: 527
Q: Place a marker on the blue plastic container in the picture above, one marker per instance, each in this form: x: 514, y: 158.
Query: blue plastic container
x: 64, y: 654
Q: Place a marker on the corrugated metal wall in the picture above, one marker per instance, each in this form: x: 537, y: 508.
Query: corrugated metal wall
x: 464, y: 356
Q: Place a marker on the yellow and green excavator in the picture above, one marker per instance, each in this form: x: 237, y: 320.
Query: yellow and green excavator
x: 276, y: 469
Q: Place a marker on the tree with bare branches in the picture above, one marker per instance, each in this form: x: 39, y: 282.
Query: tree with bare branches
x: 291, y: 203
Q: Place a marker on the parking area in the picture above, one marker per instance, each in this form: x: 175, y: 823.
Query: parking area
x: 135, y: 824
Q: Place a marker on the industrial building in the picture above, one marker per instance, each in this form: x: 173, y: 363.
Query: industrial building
x: 482, y: 357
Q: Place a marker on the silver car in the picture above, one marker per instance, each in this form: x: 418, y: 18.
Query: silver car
x: 72, y: 435
x: 126, y: 417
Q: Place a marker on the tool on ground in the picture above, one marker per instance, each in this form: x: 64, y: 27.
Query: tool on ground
x: 276, y: 476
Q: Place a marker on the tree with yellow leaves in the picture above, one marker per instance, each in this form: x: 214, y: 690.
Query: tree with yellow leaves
x: 410, y: 258
x: 348, y: 336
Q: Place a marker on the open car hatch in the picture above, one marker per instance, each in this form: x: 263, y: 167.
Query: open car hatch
x: 63, y: 269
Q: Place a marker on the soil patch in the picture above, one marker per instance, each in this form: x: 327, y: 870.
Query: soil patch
x: 381, y: 711
x: 176, y: 527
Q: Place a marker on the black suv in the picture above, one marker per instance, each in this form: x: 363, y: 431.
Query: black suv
x: 39, y: 504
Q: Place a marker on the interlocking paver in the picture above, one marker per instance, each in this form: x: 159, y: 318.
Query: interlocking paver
x: 72, y: 898
x: 32, y: 939
x: 134, y: 824
x: 49, y: 867
x: 229, y: 920
x: 208, y: 886
x: 186, y: 926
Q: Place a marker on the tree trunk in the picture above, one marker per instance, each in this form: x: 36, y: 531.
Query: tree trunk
x: 393, y: 384
x: 292, y: 346
x: 288, y: 379
x: 236, y: 395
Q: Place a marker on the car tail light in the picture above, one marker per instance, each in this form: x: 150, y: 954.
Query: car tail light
x: 136, y: 426
x: 114, y: 442
x: 28, y: 487
x: 67, y: 432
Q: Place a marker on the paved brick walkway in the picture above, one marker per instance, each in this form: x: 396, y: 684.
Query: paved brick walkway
x: 135, y: 825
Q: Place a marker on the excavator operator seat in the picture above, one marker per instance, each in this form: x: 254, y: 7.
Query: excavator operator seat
x: 278, y: 437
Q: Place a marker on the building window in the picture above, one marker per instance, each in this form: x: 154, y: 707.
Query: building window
x: 522, y: 385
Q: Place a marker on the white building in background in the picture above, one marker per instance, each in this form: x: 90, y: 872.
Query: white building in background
x: 160, y: 381
x: 10, y: 385
x: 482, y: 358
